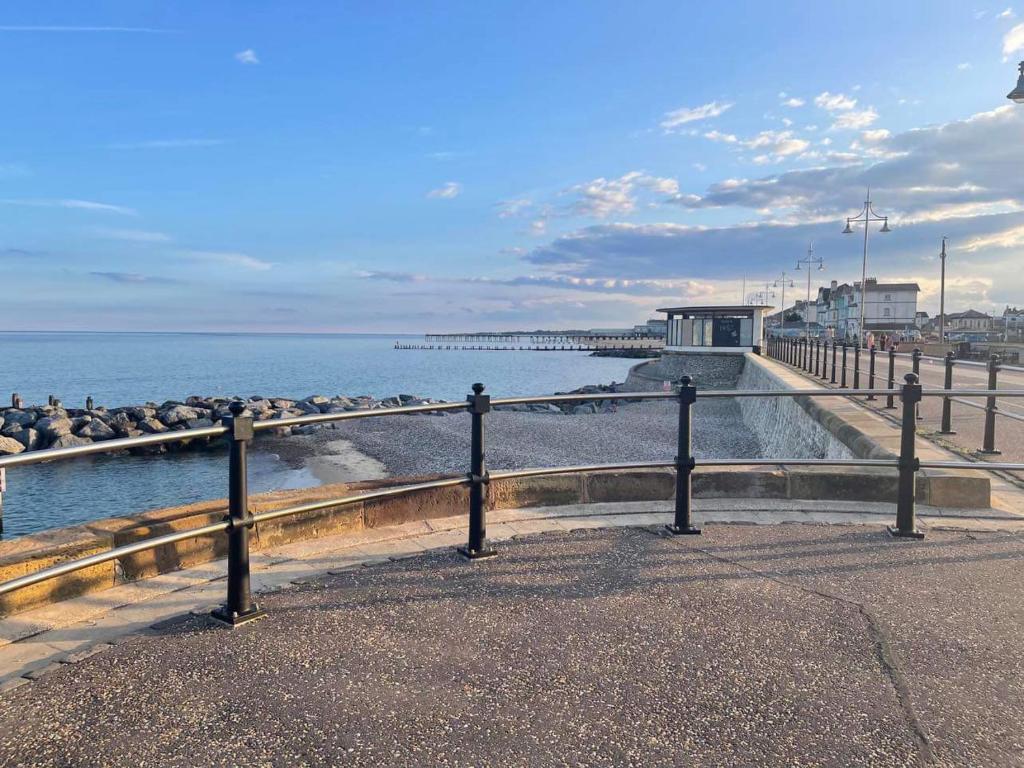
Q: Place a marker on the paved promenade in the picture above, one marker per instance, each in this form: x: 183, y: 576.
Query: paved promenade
x: 592, y: 640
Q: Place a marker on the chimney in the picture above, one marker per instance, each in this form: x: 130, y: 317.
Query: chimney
x: 834, y: 285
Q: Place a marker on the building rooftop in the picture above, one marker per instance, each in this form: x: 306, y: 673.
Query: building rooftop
x: 716, y: 308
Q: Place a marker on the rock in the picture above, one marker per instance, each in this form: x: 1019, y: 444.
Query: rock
x: 139, y: 413
x: 97, y: 430
x: 307, y: 407
x: 390, y: 402
x: 584, y: 408
x: 78, y: 422
x: 10, y: 429
x: 121, y: 424
x: 307, y: 429
x: 29, y: 438
x: 316, y: 400
x: 407, y: 398
x: 178, y: 414
x: 259, y: 406
x: 198, y: 423
x: 9, y: 446
x: 152, y: 426
x: 68, y: 440
x: 24, y: 418
x: 343, y: 401
x: 52, y: 427
x: 285, y: 404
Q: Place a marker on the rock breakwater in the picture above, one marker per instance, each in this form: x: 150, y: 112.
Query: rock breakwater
x: 43, y: 427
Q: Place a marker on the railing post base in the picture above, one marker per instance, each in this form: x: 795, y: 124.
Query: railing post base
x: 687, y: 531
x: 983, y: 452
x: 476, y: 554
x: 896, y: 533
x: 232, y: 619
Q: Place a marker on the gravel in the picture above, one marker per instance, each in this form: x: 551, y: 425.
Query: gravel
x: 748, y: 646
x: 409, y: 445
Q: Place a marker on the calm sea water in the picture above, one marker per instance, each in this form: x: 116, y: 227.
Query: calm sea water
x: 126, y: 368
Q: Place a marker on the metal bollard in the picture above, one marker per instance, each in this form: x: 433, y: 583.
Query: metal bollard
x: 834, y: 353
x: 892, y: 379
x: 906, y: 524
x: 915, y: 358
x: 947, y: 402
x: 842, y: 382
x: 871, y: 371
x: 16, y: 401
x: 239, y: 608
x: 682, y: 526
x: 88, y: 403
x: 856, y: 365
x: 477, y: 548
x: 988, y: 446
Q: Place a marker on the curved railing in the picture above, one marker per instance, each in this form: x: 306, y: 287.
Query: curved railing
x: 240, y: 428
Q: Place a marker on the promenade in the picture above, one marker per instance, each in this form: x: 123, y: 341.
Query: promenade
x: 593, y: 639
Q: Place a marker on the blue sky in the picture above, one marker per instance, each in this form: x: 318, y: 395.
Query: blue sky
x: 450, y: 166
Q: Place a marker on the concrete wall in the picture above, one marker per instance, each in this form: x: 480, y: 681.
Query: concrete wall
x: 707, y: 369
x: 785, y: 426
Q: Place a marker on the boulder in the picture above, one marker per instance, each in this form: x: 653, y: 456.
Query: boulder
x: 24, y: 418
x: 316, y: 400
x: 198, y: 423
x: 178, y: 414
x: 307, y: 407
x: 121, y: 424
x: 68, y: 440
x: 307, y: 429
x: 52, y: 427
x: 10, y: 428
x: 280, y: 403
x: 152, y: 426
x: 97, y: 430
x: 139, y: 413
x: 29, y: 438
x: 78, y: 422
x: 259, y: 406
x: 9, y: 446
x: 584, y: 408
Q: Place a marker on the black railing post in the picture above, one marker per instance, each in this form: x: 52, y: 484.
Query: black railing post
x: 856, y: 365
x: 892, y: 379
x: 682, y: 526
x: 988, y: 446
x: 834, y: 353
x: 906, y: 524
x: 807, y: 355
x: 871, y: 371
x: 815, y: 354
x: 239, y: 608
x: 947, y: 403
x: 824, y: 360
x: 479, y: 404
x: 915, y: 358
x: 842, y: 381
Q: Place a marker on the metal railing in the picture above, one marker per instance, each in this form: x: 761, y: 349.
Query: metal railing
x: 811, y: 356
x: 240, y: 428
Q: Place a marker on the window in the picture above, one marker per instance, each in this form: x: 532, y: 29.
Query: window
x: 887, y: 312
x: 888, y: 297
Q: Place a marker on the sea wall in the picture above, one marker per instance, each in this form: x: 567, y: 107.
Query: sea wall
x: 786, y: 426
x: 708, y: 370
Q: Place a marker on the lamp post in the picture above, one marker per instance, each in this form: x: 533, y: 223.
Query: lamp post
x: 1017, y: 94
x: 865, y: 217
x: 809, y: 260
x: 782, y: 281
x: 942, y: 293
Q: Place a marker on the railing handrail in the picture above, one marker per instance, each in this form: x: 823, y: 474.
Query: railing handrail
x: 184, y: 435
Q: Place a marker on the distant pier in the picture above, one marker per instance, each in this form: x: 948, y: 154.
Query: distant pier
x: 503, y: 342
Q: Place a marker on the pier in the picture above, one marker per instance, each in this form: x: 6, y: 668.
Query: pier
x: 554, y: 342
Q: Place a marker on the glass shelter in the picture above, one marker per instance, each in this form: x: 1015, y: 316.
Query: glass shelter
x: 725, y: 328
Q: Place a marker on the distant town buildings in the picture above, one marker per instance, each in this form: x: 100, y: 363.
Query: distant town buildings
x: 889, y: 308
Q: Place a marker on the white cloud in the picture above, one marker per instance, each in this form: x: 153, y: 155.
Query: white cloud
x: 878, y: 134
x: 228, y: 259
x: 1014, y: 40
x: 855, y: 120
x: 84, y: 205
x: 684, y: 115
x: 447, y: 191
x: 508, y: 209
x: 603, y: 197
x: 248, y: 56
x: 700, y: 167
x: 777, y: 143
x: 834, y: 102
x: 1007, y: 14
x: 1007, y: 238
x: 726, y: 138
x: 793, y: 102
x: 133, y: 235
x: 963, y: 66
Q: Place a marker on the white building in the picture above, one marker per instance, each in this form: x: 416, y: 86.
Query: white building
x: 735, y: 328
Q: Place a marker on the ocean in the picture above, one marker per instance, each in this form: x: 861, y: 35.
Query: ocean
x: 132, y: 368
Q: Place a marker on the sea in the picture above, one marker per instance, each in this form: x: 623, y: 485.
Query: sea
x: 118, y: 369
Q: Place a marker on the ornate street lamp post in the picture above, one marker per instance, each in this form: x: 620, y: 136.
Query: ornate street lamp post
x: 809, y: 261
x: 782, y: 281
x: 865, y: 217
x: 1017, y: 94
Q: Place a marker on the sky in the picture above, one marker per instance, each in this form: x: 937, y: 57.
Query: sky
x: 458, y: 166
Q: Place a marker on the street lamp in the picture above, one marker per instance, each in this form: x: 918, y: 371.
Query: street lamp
x: 1017, y: 94
x: 782, y: 281
x: 865, y: 217
x: 810, y: 260
x: 942, y: 293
